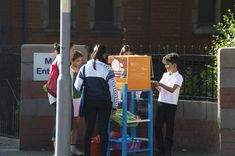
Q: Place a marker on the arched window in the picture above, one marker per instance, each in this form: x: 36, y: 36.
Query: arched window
x: 207, y: 13
x: 105, y: 15
x: 51, y: 15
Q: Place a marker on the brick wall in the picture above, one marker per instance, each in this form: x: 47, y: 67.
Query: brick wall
x: 147, y: 22
x: 165, y: 22
x: 15, y: 28
x: 197, y: 135
x: 192, y: 135
x: 10, y: 22
x: 171, y: 23
x: 197, y: 126
x: 36, y: 119
x: 226, y: 100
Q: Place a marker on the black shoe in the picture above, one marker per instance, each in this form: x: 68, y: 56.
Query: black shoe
x: 72, y: 154
x: 168, y: 153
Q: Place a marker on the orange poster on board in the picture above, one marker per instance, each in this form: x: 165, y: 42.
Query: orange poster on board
x: 133, y: 70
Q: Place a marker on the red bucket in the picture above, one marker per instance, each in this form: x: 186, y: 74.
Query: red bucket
x: 95, y: 147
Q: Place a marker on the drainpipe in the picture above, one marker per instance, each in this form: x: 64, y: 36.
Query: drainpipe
x: 24, y: 21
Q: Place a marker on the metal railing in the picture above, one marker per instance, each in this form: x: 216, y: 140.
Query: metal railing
x: 199, y: 78
x: 196, y: 67
x: 9, y: 91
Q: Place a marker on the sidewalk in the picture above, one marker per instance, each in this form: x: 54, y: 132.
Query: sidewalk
x: 10, y: 147
x: 25, y: 153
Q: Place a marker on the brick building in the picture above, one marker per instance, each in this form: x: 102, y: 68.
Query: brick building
x: 112, y: 22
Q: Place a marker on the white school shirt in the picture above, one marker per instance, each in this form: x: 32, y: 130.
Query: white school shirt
x: 170, y: 80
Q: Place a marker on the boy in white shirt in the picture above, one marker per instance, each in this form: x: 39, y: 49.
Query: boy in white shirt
x: 169, y: 89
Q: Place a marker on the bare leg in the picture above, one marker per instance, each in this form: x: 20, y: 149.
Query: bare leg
x: 74, y: 137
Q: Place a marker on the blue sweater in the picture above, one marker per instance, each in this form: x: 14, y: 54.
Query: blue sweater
x: 100, y: 84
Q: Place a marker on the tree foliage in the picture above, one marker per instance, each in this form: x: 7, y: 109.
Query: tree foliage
x: 224, y: 39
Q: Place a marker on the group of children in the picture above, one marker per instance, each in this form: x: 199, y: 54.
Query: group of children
x: 76, y: 60
x: 101, y: 97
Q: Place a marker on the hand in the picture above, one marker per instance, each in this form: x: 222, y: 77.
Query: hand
x: 155, y: 84
x: 44, y: 88
x: 158, y: 88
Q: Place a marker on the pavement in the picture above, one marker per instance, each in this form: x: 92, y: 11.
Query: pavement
x: 10, y: 147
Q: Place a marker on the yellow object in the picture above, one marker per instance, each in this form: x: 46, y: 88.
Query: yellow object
x: 117, y: 117
x: 44, y: 88
x: 131, y: 69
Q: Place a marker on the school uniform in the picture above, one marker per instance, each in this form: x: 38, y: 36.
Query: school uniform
x: 52, y: 99
x: 166, y: 108
x: 100, y: 96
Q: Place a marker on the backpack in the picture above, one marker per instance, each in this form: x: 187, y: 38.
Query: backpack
x: 52, y: 80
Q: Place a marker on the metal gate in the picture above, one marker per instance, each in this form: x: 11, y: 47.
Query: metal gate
x: 9, y: 91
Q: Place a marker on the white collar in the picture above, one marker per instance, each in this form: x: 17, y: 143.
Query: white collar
x: 97, y: 61
x: 171, y: 74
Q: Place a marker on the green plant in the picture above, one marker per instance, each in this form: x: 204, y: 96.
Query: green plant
x: 198, y: 85
x: 189, y: 83
x: 224, y: 39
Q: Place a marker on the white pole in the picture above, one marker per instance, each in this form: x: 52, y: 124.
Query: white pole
x: 64, y: 91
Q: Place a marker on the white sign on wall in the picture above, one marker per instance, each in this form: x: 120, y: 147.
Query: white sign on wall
x: 41, y: 66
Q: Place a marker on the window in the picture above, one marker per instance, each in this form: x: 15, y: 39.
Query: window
x: 54, y: 14
x: 51, y: 15
x: 105, y: 15
x: 207, y: 13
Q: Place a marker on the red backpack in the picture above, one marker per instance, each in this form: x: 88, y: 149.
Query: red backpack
x: 52, y: 80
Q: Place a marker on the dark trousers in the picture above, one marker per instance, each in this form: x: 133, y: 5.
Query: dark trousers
x: 102, y: 110
x: 165, y: 115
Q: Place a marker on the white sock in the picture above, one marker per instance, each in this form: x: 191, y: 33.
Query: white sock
x: 72, y: 147
x: 54, y: 144
x: 74, y: 150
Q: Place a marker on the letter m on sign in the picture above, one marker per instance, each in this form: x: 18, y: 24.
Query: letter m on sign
x: 48, y: 60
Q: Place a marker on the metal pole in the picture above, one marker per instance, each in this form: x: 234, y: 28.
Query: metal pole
x: 150, y: 123
x: 64, y: 91
x: 124, y: 120
x: 133, y: 111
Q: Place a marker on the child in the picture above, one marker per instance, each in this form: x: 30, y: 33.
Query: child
x: 126, y: 50
x: 169, y: 89
x: 76, y: 63
x: 100, y: 96
x: 52, y: 99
